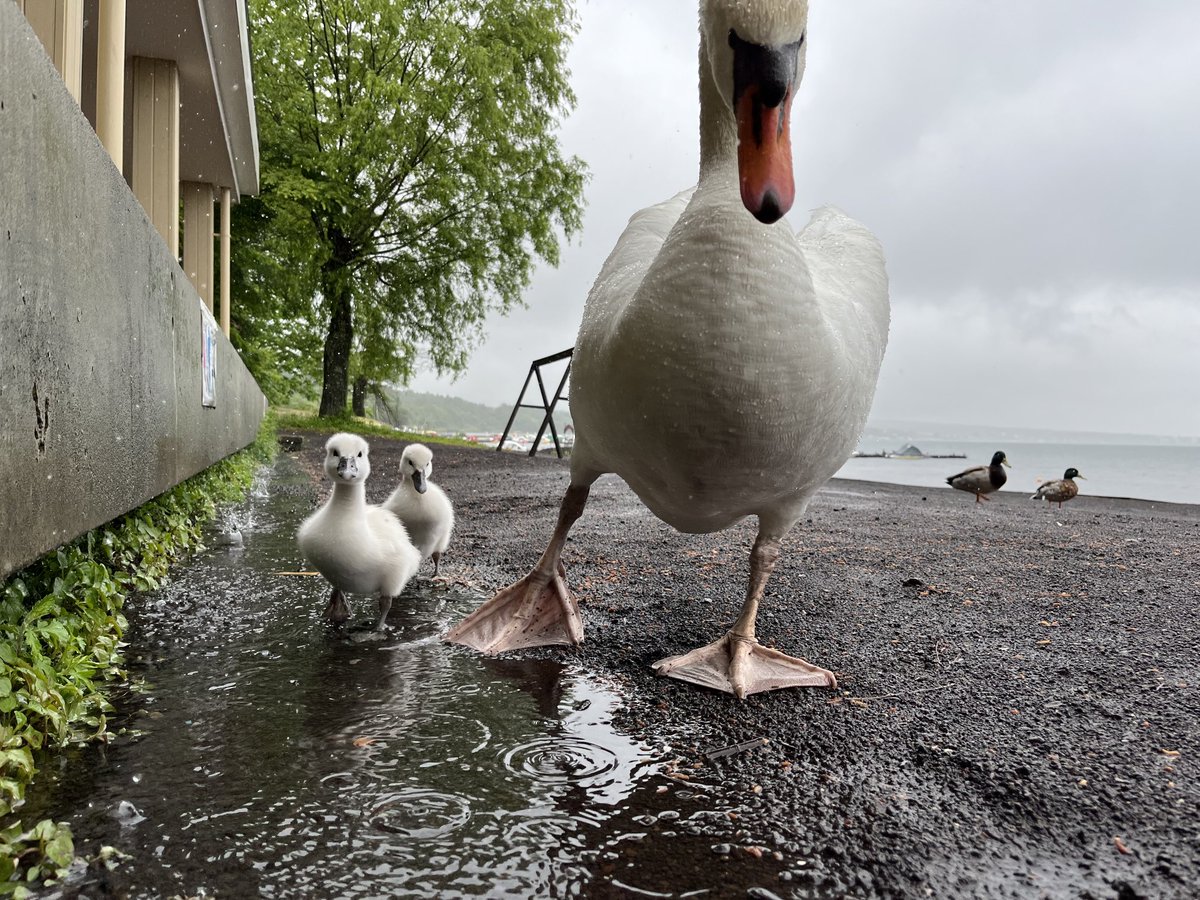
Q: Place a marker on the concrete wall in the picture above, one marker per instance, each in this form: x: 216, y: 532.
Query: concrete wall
x: 100, y: 331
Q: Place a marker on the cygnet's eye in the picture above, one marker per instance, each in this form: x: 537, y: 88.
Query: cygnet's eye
x: 334, y: 452
x: 360, y: 453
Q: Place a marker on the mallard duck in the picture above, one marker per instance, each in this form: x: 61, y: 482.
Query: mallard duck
x: 360, y: 548
x: 982, y: 480
x: 421, y: 505
x: 1060, y: 490
x: 725, y: 366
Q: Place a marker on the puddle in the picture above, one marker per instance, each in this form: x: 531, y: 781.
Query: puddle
x: 273, y: 755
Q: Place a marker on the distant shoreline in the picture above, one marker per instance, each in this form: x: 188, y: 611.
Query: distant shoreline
x: 1083, y: 501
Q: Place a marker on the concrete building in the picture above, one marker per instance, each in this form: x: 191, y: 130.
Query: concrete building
x: 127, y: 130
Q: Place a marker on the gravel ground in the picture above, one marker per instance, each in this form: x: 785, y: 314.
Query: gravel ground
x: 1017, y: 708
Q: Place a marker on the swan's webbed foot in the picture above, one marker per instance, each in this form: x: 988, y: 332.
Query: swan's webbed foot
x: 742, y: 666
x: 337, y: 611
x: 536, y: 611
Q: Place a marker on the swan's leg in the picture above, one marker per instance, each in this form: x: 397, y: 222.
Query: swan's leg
x: 437, y: 557
x: 385, y: 604
x: 538, y: 609
x: 738, y: 663
x: 337, y: 611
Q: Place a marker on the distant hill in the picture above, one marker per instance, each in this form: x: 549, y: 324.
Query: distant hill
x: 435, y: 412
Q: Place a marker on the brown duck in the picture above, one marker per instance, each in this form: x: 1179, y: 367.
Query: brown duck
x: 1060, y: 490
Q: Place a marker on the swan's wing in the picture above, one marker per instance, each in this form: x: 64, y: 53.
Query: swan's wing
x: 626, y: 266
x: 849, y: 279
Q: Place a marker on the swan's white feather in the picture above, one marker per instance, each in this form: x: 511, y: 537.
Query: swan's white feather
x: 725, y: 368
x: 429, y: 517
x: 360, y: 548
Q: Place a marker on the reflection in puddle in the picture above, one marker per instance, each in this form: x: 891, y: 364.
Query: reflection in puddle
x: 279, y: 757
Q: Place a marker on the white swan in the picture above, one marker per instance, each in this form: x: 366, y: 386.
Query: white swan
x: 357, y: 546
x: 421, y: 505
x: 724, y: 366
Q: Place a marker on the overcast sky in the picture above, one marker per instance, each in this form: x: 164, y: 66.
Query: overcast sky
x: 1030, y: 167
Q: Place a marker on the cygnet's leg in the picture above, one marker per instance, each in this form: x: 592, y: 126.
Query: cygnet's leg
x: 385, y: 604
x: 537, y: 610
x: 337, y: 611
x: 437, y: 558
x: 738, y: 663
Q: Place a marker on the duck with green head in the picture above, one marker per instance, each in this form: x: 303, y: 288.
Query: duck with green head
x: 982, y: 480
x: 1060, y: 490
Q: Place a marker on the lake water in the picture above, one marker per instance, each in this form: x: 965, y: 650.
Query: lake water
x: 1146, y: 468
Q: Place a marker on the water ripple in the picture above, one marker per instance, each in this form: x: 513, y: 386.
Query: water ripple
x: 561, y: 759
x: 420, y: 814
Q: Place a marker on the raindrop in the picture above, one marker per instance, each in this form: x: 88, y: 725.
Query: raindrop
x: 420, y: 814
x: 560, y: 760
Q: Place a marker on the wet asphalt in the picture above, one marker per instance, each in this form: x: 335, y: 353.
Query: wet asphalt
x: 1016, y: 714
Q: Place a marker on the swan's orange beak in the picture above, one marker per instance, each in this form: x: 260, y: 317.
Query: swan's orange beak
x: 764, y: 82
x: 765, y: 155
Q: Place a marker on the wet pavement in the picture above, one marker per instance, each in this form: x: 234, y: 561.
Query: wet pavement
x: 269, y: 754
x: 1015, y: 717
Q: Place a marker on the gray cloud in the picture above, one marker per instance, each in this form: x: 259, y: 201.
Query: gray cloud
x: 1029, y: 168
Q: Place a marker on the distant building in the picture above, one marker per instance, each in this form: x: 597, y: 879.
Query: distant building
x: 167, y: 86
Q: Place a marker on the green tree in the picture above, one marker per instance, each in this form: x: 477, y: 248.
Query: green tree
x: 411, y: 176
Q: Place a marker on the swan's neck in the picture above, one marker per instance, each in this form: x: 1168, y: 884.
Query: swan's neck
x: 718, y: 131
x: 348, y: 497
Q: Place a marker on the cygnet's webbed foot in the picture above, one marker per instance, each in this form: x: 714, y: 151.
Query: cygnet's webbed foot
x: 741, y: 666
x: 337, y: 611
x: 537, y: 611
x: 385, y: 604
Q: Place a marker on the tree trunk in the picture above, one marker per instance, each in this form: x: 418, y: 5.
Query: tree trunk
x: 358, y: 399
x: 335, y: 283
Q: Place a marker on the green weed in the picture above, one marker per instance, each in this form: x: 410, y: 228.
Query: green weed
x: 61, y: 624
x: 291, y: 419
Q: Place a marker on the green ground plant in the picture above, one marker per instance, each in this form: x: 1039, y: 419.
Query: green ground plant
x: 308, y: 420
x: 61, y: 624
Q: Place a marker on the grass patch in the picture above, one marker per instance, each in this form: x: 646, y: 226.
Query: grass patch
x: 303, y: 420
x: 61, y: 625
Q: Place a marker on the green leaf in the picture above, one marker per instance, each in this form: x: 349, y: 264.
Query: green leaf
x: 60, y: 849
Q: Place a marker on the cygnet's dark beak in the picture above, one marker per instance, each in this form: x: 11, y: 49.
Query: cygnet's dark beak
x: 347, y: 467
x: 419, y: 482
